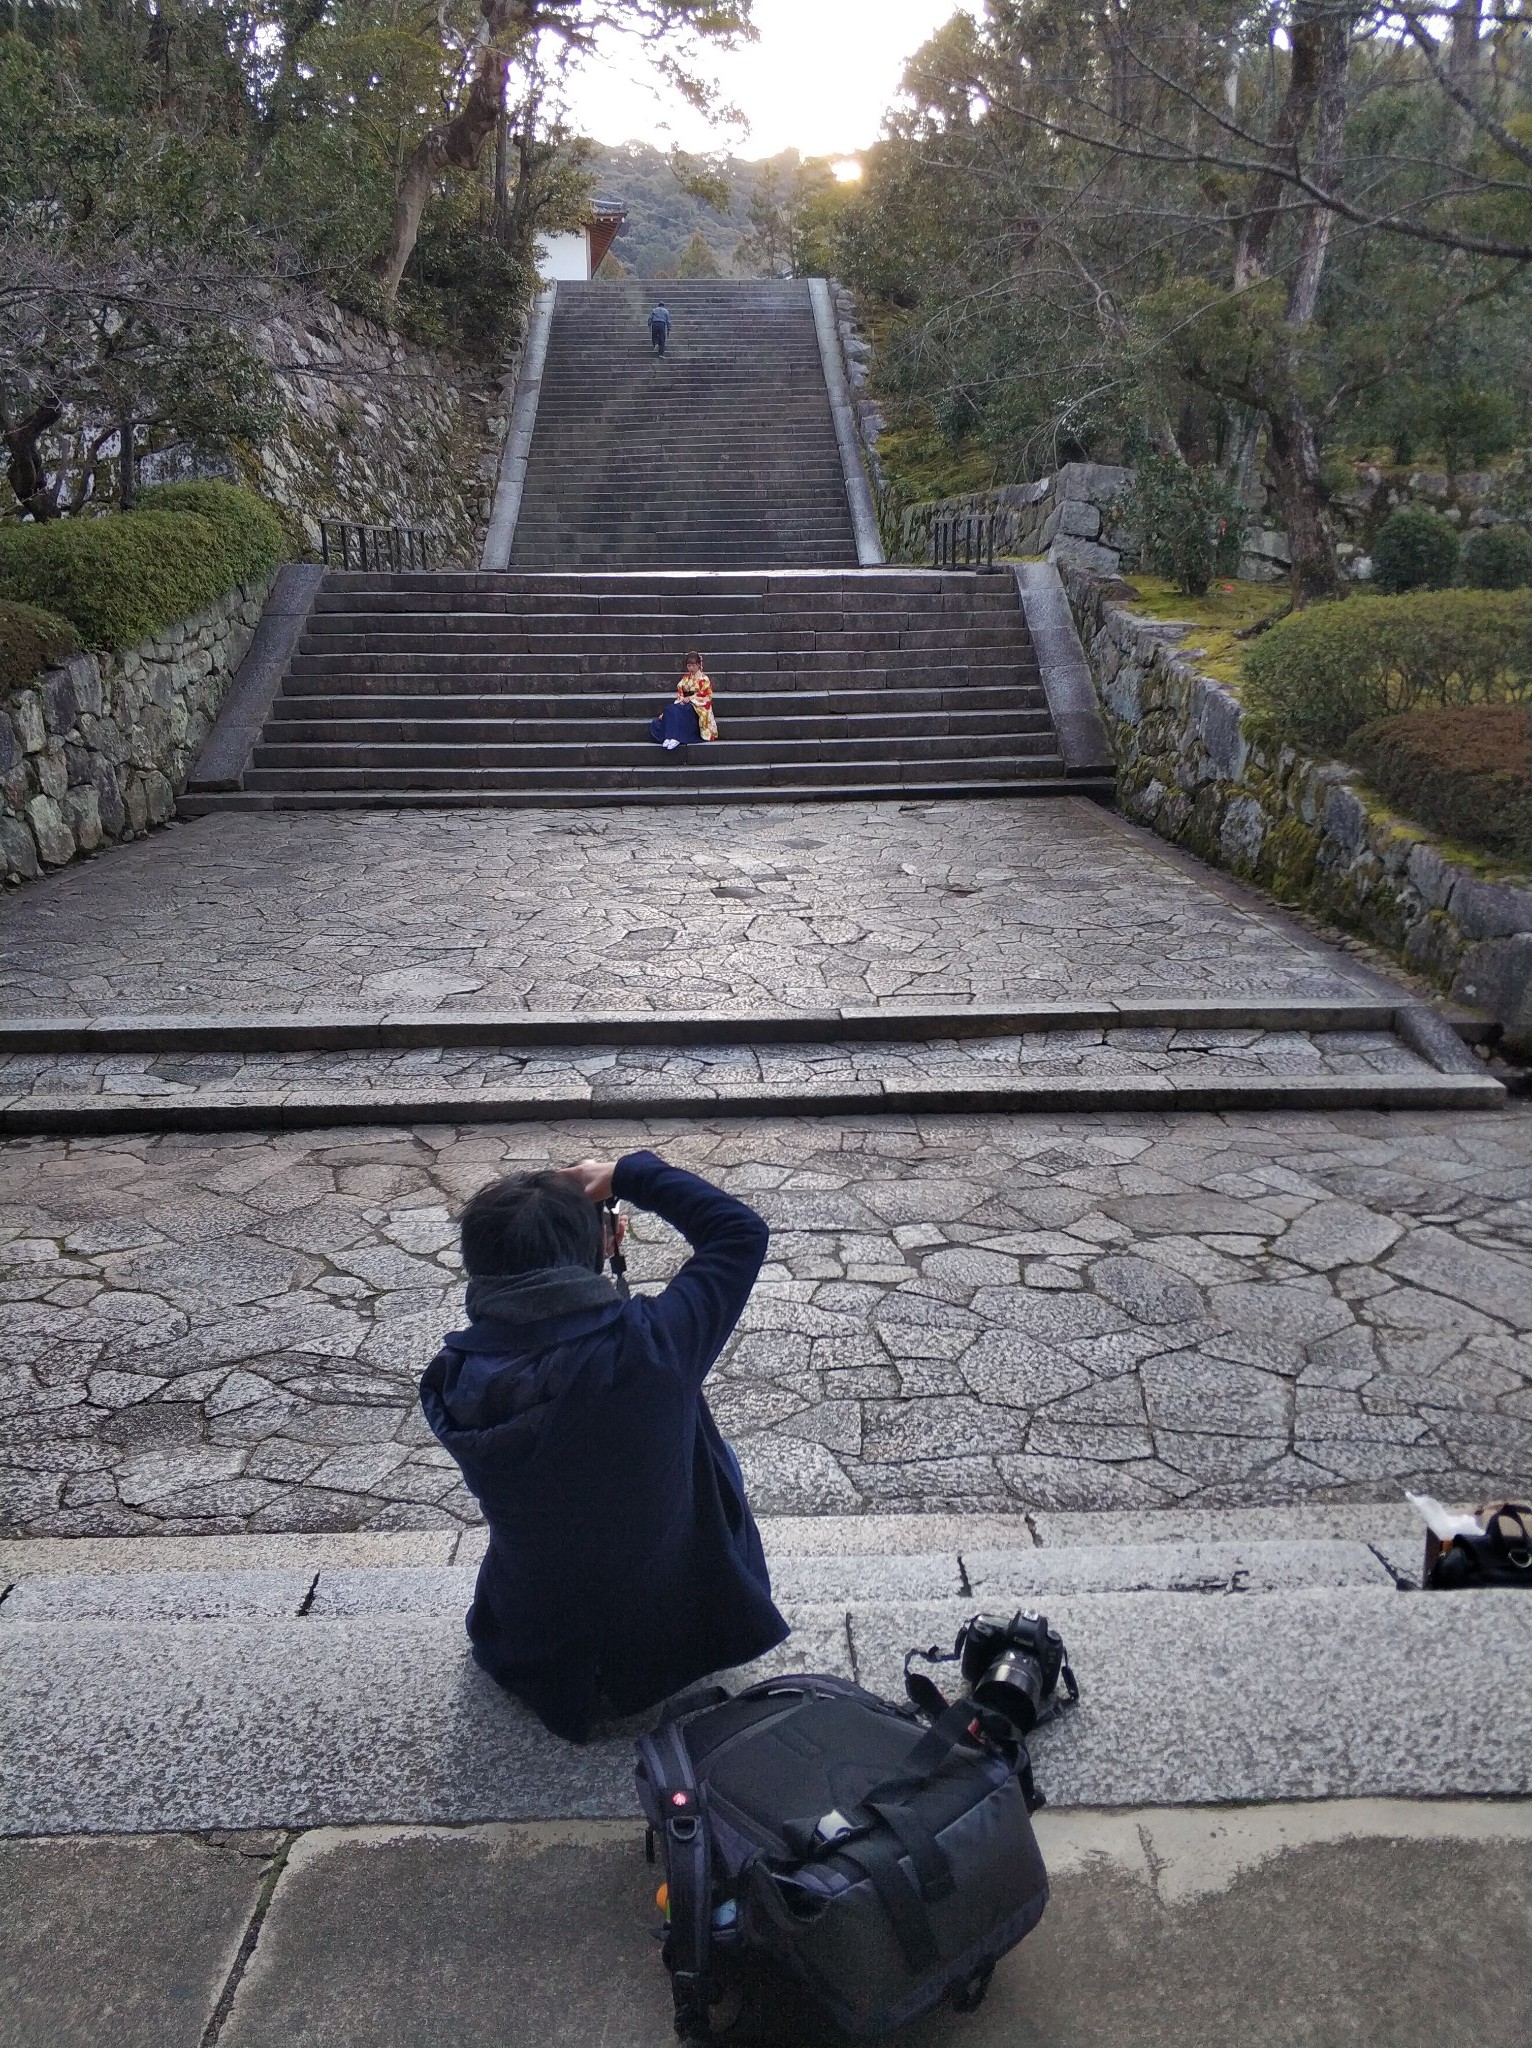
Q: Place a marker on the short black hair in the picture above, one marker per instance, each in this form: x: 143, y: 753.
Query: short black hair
x: 530, y: 1221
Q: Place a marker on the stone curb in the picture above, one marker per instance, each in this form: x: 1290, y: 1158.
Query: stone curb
x: 691, y: 789
x: 244, y: 711
x: 318, y: 1109
x: 361, y: 1030
x: 518, y: 441
x: 1317, y: 1692
x: 1387, y: 1523
x: 1067, y: 680
x: 864, y: 518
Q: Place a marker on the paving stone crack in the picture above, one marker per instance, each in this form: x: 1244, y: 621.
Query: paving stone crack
x: 1402, y: 1580
x: 219, y: 2019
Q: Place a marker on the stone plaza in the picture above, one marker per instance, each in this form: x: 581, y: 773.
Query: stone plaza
x: 1164, y: 1367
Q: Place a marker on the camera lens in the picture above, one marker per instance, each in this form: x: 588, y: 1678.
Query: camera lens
x: 1013, y: 1686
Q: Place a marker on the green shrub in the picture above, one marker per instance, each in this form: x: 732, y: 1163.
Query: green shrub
x: 1465, y: 771
x: 125, y: 576
x: 1498, y: 558
x: 250, y: 533
x: 1416, y: 549
x: 1189, y: 522
x: 1319, y: 674
x: 31, y: 641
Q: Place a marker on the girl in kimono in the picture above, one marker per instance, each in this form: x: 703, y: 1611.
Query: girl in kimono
x: 690, y: 717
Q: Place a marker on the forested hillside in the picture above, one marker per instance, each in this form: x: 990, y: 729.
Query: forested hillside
x: 173, y: 172
x: 1263, y: 239
x: 738, y: 211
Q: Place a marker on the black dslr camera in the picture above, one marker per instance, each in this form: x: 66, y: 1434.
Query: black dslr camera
x: 1014, y: 1666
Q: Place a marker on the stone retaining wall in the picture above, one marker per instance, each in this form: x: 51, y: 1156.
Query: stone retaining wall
x: 1066, y: 518
x: 375, y: 429
x: 98, y: 750
x: 1191, y: 768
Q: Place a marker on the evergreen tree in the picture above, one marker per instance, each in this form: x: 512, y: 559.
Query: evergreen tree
x: 698, y: 260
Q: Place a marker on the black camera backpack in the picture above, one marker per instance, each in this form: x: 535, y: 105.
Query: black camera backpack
x: 810, y: 1827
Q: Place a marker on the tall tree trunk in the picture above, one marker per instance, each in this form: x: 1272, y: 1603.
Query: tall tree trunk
x: 1463, y: 69
x: 127, y: 467
x: 1292, y: 453
x: 25, y: 472
x: 457, y: 142
x: 1292, y: 436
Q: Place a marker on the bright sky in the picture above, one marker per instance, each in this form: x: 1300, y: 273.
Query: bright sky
x: 819, y: 80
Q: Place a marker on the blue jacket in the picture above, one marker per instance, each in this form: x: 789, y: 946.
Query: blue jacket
x: 623, y: 1561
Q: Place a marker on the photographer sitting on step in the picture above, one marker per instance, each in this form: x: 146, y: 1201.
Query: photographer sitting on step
x: 623, y: 1561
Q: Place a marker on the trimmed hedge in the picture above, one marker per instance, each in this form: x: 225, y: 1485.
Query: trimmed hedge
x: 1497, y: 558
x: 1319, y: 674
x: 1416, y: 549
x: 126, y: 576
x: 1465, y: 771
x: 32, y: 640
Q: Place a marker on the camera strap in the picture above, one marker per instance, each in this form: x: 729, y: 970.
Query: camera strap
x: 924, y: 1694
x: 618, y: 1258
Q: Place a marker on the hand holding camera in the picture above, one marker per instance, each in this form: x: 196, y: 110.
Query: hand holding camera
x: 594, y: 1177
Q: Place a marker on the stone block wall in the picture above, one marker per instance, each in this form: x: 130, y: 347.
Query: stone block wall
x: 1191, y: 766
x: 374, y: 429
x: 1066, y: 518
x: 379, y: 431
x: 97, y: 751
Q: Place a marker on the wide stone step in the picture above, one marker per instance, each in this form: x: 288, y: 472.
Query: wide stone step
x: 562, y: 753
x: 274, y: 1683
x: 1127, y: 1067
x: 821, y: 669
x: 416, y: 723
x: 680, y: 790
x: 449, y: 695
x: 658, y: 609
x: 449, y: 641
x: 698, y: 777
x: 307, y: 701
x: 789, y: 585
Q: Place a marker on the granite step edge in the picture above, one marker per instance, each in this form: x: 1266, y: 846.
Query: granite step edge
x: 1390, y: 1522
x: 310, y: 1109
x: 357, y: 1029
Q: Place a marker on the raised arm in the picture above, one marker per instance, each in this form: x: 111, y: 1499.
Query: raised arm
x: 706, y: 1298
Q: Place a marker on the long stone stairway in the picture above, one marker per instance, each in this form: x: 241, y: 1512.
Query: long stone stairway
x: 510, y: 688
x: 720, y: 455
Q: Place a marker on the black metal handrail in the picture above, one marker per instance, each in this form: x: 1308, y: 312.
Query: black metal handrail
x: 963, y: 540
x: 344, y: 544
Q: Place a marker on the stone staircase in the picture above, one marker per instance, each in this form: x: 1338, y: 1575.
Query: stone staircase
x: 484, y: 688
x: 720, y: 455
x: 305, y: 1681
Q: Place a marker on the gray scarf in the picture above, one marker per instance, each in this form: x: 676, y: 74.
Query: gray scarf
x: 540, y: 1296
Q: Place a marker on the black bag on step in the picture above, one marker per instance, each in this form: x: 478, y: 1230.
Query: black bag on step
x: 810, y: 1827
x: 1501, y: 1555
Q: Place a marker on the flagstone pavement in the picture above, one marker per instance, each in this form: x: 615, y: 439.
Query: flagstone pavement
x: 1095, y: 1311
x: 751, y: 907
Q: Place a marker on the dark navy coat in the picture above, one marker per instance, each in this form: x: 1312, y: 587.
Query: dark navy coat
x: 623, y: 1560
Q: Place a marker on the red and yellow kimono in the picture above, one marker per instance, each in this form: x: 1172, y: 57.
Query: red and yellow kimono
x: 698, y: 691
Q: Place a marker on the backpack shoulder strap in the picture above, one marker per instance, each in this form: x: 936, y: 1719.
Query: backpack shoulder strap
x: 689, y: 1874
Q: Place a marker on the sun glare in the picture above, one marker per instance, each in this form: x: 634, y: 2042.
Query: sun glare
x: 847, y: 170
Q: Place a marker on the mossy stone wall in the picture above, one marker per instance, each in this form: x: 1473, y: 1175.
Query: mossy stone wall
x: 1195, y: 769
x: 97, y: 750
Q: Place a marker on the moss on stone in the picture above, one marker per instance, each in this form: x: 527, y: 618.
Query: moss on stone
x: 1289, y: 858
